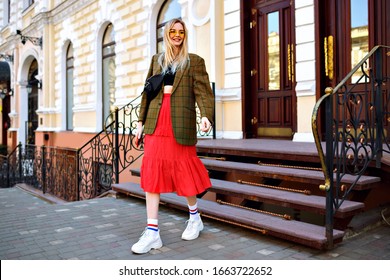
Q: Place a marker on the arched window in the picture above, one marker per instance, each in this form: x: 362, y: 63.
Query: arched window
x: 6, y: 12
x: 69, y: 87
x: 169, y: 10
x: 108, y: 51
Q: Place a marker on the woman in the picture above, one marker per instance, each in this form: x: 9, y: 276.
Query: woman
x: 170, y: 163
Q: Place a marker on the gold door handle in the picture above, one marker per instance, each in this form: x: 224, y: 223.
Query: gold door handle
x: 290, y: 61
x: 328, y: 51
x: 254, y: 120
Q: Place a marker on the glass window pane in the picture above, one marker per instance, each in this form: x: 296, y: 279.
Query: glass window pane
x: 69, y: 99
x: 170, y: 10
x: 109, y: 35
x: 108, y: 81
x: 109, y: 50
x: 108, y: 86
x: 359, y: 33
x: 273, y: 51
x: 69, y: 88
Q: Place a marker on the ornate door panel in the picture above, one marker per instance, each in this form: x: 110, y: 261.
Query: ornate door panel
x: 272, y: 73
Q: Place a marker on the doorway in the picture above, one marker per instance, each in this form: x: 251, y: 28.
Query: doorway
x: 268, y: 72
x: 32, y: 91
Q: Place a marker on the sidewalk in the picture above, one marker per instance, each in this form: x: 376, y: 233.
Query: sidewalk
x: 105, y: 229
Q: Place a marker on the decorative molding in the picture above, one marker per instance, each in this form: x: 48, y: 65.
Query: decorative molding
x: 194, y: 18
x: 305, y: 88
x: 84, y: 108
x: 231, y: 94
x: 66, y: 9
x: 47, y: 111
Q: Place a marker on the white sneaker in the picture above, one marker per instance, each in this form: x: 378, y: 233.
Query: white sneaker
x: 192, y: 230
x: 148, y: 240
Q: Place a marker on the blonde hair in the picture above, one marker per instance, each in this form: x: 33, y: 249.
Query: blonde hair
x: 168, y: 58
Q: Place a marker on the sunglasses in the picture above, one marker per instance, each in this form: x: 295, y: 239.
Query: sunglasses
x: 174, y: 32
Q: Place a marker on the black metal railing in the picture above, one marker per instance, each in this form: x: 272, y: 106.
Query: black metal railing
x: 49, y: 169
x: 10, y: 171
x: 84, y: 173
x: 356, y: 113
x: 110, y: 152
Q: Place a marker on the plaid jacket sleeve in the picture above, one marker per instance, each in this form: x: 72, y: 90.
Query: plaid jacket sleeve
x: 190, y: 86
x: 202, y: 90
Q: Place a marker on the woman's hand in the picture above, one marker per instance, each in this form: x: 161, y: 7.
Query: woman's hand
x: 139, y: 132
x: 205, y: 124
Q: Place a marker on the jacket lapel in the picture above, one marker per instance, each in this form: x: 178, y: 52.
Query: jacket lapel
x: 178, y: 76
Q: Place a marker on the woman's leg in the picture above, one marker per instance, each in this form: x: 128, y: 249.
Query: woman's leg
x: 194, y: 224
x: 150, y: 239
x: 193, y: 207
x: 191, y: 200
x: 152, y: 203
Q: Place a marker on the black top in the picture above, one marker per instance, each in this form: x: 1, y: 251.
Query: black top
x: 169, y: 77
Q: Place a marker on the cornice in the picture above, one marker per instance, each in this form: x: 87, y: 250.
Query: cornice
x: 56, y: 15
x: 66, y: 9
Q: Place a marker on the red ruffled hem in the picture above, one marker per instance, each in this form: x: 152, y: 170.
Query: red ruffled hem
x: 186, y: 177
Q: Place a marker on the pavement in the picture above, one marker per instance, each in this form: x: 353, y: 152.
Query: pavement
x: 35, y: 228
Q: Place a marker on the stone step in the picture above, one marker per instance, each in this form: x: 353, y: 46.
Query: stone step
x: 294, y: 200
x: 303, y: 233
x: 312, y: 203
x: 285, y: 173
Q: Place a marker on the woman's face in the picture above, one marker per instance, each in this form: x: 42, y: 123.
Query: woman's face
x: 176, y: 34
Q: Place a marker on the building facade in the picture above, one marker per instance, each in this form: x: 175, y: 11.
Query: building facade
x: 65, y: 64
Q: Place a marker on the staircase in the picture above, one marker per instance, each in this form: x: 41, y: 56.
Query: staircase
x: 308, y: 193
x: 280, y: 198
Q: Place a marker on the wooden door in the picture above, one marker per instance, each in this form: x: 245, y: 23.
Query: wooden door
x: 348, y: 30
x: 272, y: 69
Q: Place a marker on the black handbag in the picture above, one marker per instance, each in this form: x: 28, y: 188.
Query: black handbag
x: 153, y: 86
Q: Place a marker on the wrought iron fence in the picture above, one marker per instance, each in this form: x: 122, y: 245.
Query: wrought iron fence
x: 49, y: 169
x: 356, y: 114
x: 110, y: 152
x: 10, y: 171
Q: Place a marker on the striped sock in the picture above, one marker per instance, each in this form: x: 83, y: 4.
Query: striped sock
x: 152, y: 224
x: 194, y: 214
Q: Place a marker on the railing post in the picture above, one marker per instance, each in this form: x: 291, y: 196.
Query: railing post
x: 116, y: 149
x: 379, y: 106
x: 78, y: 176
x: 20, y: 161
x: 329, y: 163
x: 43, y: 169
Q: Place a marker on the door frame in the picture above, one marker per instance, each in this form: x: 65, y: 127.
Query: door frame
x: 379, y: 12
x: 247, y: 44
x: 248, y: 129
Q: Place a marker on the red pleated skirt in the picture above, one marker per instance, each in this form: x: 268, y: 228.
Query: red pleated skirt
x: 168, y: 166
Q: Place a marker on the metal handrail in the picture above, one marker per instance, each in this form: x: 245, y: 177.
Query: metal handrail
x: 343, y: 145
x: 328, y: 93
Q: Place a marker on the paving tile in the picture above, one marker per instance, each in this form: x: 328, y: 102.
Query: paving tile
x: 106, y: 228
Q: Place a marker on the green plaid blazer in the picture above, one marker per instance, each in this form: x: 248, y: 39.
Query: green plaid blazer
x: 190, y: 85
